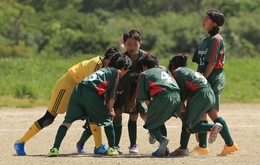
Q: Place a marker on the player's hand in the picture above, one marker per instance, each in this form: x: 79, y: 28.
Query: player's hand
x: 118, y: 112
x: 112, y: 113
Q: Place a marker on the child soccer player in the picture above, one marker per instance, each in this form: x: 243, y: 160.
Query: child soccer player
x: 159, y: 94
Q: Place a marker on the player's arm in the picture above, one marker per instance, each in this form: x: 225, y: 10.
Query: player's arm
x: 208, y: 70
x: 111, y: 103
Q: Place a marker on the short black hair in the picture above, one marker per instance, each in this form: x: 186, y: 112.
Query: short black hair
x: 176, y: 61
x: 111, y: 51
x: 148, y: 60
x: 120, y: 60
x: 132, y: 33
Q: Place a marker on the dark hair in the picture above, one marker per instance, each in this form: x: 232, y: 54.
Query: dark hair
x: 218, y: 18
x: 132, y: 33
x: 110, y: 51
x: 178, y: 60
x: 148, y: 60
x: 119, y: 61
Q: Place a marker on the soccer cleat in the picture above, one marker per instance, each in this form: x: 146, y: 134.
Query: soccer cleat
x: 152, y: 139
x: 80, y: 148
x: 180, y: 152
x: 200, y: 151
x: 228, y: 149
x: 214, y: 132
x: 119, y: 150
x: 163, y: 146
x: 53, y: 152
x: 133, y: 149
x: 19, y: 148
x: 112, y: 152
x: 101, y: 150
x: 155, y: 153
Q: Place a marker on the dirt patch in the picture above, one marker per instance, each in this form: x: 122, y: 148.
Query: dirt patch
x: 243, y: 121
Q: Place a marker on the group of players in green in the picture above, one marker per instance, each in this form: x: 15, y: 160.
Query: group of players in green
x: 101, y: 89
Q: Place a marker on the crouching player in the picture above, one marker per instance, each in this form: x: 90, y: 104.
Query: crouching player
x: 159, y: 94
x: 94, y: 98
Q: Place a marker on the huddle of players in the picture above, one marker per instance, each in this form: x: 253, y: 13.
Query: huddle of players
x: 140, y: 85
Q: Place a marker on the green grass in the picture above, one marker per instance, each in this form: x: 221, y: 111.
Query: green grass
x: 29, y: 82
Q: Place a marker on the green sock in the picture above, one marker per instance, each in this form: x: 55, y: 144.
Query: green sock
x: 203, y: 137
x: 118, y: 133
x: 132, y: 132
x: 201, y: 128
x: 185, y: 137
x: 61, y: 133
x: 85, y: 136
x: 164, y: 130
x: 157, y: 133
x: 225, y: 134
x: 110, y: 133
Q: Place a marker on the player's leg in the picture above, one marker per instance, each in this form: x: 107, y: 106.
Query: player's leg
x: 117, y: 122
x: 132, y: 132
x: 84, y: 137
x: 230, y: 145
x: 38, y: 125
x: 163, y: 141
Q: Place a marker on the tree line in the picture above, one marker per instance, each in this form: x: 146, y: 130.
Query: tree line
x: 47, y: 28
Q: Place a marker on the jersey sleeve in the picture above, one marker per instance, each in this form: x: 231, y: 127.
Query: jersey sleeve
x: 142, y: 88
x: 213, y: 50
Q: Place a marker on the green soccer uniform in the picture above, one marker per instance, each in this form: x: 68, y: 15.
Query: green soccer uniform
x: 194, y: 86
x: 89, y: 96
x: 163, y: 92
x: 212, y: 49
x: 132, y: 77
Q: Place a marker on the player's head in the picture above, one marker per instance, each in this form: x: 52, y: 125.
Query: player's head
x: 215, y: 19
x: 132, y: 41
x: 119, y: 61
x: 109, y: 53
x: 176, y: 61
x: 148, y: 61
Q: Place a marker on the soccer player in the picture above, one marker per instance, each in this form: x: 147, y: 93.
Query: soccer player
x: 59, y: 103
x: 132, y: 41
x: 210, y: 57
x: 159, y: 94
x: 94, y: 98
x: 200, y: 98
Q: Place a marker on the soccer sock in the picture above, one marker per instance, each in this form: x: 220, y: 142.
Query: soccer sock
x: 110, y: 133
x: 201, y: 128
x: 203, y: 137
x: 132, y: 132
x: 225, y: 134
x: 85, y: 136
x: 164, y: 130
x: 33, y: 130
x: 96, y: 131
x: 118, y: 133
x: 185, y: 137
x: 156, y: 133
x: 61, y: 133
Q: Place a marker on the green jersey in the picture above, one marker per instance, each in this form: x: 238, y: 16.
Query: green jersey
x: 189, y: 82
x: 104, y: 81
x: 211, y: 50
x: 154, y: 81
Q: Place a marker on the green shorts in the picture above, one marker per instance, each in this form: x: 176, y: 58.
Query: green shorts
x: 199, y: 104
x: 86, y: 103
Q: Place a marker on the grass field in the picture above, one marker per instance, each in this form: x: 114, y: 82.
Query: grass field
x: 29, y: 82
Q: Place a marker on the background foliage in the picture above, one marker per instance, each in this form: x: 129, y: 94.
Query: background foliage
x: 65, y: 28
x: 41, y: 39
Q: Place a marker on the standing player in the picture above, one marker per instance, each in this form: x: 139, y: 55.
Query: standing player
x: 94, y: 98
x: 159, y: 94
x: 59, y: 102
x: 132, y: 41
x: 210, y: 57
x: 200, y: 99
